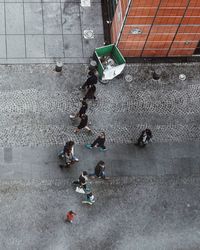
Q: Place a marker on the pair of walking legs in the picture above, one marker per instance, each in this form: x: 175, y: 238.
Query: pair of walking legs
x: 78, y: 129
x: 102, y: 175
x: 91, y: 146
x: 94, y: 144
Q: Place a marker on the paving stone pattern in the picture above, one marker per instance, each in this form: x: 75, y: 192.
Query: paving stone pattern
x: 43, y: 32
x: 36, y: 103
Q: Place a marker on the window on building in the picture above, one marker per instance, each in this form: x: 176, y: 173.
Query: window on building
x: 197, y: 50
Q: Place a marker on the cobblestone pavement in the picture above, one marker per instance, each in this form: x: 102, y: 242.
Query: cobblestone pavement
x: 35, y: 104
x: 129, y: 213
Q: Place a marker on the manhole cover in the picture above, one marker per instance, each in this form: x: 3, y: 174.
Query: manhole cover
x: 88, y: 34
x: 85, y: 3
x: 182, y: 77
x: 128, y: 78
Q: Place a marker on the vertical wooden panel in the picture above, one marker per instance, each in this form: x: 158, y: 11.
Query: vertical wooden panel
x: 118, y: 19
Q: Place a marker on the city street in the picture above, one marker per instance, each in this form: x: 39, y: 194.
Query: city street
x: 129, y: 213
x: 152, y: 199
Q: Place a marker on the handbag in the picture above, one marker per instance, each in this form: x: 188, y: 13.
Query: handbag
x: 80, y: 190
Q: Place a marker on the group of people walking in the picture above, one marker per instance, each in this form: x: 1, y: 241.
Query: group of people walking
x: 82, y: 187
x: 67, y: 154
x: 82, y: 182
x: 90, y: 88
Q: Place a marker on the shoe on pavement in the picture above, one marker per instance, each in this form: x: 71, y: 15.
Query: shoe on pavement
x: 88, y: 146
x: 103, y: 149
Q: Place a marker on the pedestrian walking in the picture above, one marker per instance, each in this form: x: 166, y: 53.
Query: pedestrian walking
x: 83, y: 124
x: 92, y: 79
x: 82, y: 110
x: 99, y: 170
x: 67, y: 154
x: 70, y: 216
x: 89, y: 199
x: 82, y: 180
x: 90, y: 93
x: 99, y: 142
x: 144, y: 138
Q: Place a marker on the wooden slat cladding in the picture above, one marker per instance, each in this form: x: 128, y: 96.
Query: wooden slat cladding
x: 167, y: 27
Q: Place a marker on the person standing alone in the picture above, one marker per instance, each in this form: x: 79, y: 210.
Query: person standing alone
x: 70, y: 216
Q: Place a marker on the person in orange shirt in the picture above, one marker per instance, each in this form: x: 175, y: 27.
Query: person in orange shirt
x: 70, y: 216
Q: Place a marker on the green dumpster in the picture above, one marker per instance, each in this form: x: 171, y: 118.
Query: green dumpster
x: 110, y: 61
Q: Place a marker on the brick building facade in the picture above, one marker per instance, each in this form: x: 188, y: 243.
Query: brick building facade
x: 156, y: 28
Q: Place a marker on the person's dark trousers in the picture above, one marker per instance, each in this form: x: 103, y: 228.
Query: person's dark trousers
x: 89, y: 97
x: 94, y: 143
x: 78, y: 182
x: 90, y: 81
x: 98, y: 176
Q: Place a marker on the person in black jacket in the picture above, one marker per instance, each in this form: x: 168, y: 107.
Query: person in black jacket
x: 99, y: 142
x: 82, y: 180
x: 90, y: 81
x: 83, y: 124
x: 90, y: 93
x: 82, y: 110
x: 99, y: 170
x: 144, y: 138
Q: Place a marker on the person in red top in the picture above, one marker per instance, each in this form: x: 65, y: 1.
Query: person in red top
x: 70, y: 216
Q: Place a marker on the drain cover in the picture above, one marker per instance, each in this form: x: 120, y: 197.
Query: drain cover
x: 88, y: 34
x: 182, y: 77
x: 128, y: 78
x: 85, y: 3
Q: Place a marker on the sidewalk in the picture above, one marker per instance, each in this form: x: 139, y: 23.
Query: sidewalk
x: 43, y: 32
x: 121, y: 160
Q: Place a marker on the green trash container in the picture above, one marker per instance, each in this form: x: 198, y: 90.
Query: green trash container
x: 110, y: 61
